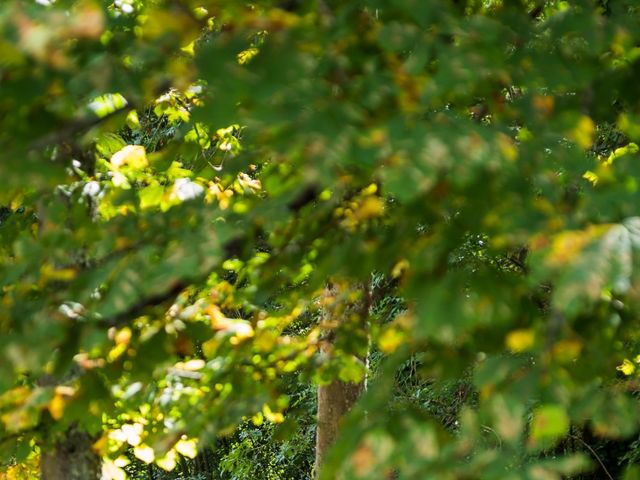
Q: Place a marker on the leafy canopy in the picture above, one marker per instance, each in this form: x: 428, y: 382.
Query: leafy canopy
x: 181, y: 178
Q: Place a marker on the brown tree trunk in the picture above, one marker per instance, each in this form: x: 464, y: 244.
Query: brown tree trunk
x: 337, y: 398
x: 334, y: 402
x: 71, y: 458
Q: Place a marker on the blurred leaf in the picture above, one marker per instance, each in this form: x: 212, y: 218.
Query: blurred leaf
x: 550, y: 423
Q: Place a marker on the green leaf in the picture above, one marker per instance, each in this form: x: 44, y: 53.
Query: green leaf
x: 549, y: 424
x: 151, y: 196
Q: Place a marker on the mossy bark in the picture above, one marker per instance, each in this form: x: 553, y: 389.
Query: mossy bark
x: 71, y: 458
x: 334, y: 402
x: 344, y: 315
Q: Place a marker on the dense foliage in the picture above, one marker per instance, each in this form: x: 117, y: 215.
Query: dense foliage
x: 182, y: 179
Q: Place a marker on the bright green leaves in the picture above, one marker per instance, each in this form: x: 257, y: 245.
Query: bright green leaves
x: 629, y: 149
x: 108, y: 144
x: 151, y: 196
x: 107, y: 103
x: 549, y: 424
x: 199, y: 134
x: 173, y: 107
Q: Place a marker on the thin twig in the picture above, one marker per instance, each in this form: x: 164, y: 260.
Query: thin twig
x: 516, y: 262
x: 593, y: 452
x: 488, y: 429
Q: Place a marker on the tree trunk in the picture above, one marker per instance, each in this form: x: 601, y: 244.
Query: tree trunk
x: 337, y: 398
x: 72, y: 458
x: 334, y: 402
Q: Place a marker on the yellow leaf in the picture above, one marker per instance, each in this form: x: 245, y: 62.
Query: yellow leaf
x: 370, y: 190
x: 123, y: 336
x: 591, y: 177
x: 274, y: 417
x: 15, y: 396
x: 249, y: 183
x: 210, y: 347
x: 520, y: 340
x: 128, y: 433
x: 569, y: 244
x: 218, y: 192
x: 189, y: 49
x: 390, y: 340
x: 134, y: 156
x: 241, y: 330
x: 133, y: 121
x: 56, y: 406
x: 100, y: 445
x: 191, y: 365
x: 65, y: 390
x: 628, y: 149
x: 258, y: 419
x: 399, y: 268
x: 200, y: 12
x: 110, y: 471
x: 544, y: 104
x: 168, y: 462
x: 584, y: 132
x: 507, y: 147
x: 567, y: 350
x: 188, y: 448
x: 246, y: 55
x: 17, y: 420
x: 627, y: 367
x: 116, y: 352
x: 145, y: 453
x: 369, y: 208
x: 50, y: 273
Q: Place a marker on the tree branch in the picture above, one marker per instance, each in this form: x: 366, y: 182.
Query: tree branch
x: 74, y: 128
x: 139, y: 307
